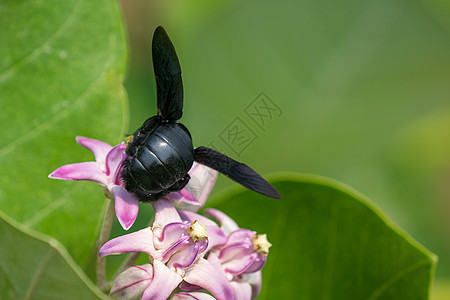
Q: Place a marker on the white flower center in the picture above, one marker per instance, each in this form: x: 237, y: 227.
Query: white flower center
x: 197, y: 231
x: 260, y: 244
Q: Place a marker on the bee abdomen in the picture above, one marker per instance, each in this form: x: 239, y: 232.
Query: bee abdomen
x: 155, y: 156
x: 161, y: 160
x: 179, y: 141
x: 138, y: 171
x: 164, y: 158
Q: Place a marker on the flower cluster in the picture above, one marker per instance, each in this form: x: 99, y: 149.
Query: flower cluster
x: 190, y: 255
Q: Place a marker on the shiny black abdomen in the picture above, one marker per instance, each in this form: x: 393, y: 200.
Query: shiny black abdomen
x: 162, y: 159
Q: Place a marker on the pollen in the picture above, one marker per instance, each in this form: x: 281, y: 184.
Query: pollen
x: 197, y: 231
x: 129, y: 139
x: 260, y: 244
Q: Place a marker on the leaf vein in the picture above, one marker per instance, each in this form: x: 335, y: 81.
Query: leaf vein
x: 38, y: 274
x: 58, y: 116
x: 39, y: 50
x: 51, y: 207
x: 395, y: 278
x: 4, y: 276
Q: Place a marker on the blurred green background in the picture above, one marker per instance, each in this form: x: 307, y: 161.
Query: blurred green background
x: 363, y: 86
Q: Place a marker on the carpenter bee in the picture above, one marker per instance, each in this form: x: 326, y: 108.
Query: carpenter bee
x: 160, y: 153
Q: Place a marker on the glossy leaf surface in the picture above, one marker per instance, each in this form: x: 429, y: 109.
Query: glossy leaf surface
x: 34, y: 266
x: 330, y: 242
x: 61, y: 71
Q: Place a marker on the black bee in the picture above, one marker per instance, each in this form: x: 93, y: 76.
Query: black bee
x: 160, y: 153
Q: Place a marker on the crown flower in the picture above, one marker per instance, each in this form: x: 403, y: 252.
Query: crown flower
x: 176, y: 249
x: 105, y: 170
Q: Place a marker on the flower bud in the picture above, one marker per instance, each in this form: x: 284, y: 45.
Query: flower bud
x: 131, y: 283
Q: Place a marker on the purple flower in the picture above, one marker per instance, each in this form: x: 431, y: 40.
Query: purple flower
x: 242, y: 255
x: 104, y: 171
x: 192, y: 296
x: 132, y: 282
x: 176, y: 249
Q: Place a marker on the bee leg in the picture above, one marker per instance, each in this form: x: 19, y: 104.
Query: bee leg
x: 154, y: 197
x: 177, y: 186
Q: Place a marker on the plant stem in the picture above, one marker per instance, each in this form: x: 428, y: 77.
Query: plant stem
x: 105, y: 231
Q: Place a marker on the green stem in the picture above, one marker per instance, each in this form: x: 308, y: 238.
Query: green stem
x: 105, y: 231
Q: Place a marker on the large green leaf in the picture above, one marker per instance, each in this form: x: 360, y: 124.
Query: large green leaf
x: 330, y: 242
x: 61, y: 71
x: 34, y: 266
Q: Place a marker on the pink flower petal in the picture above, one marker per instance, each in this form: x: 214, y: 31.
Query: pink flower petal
x: 113, y: 160
x: 239, y: 264
x: 163, y: 284
x: 210, y: 276
x: 238, y: 256
x: 178, y: 245
x: 227, y: 224
x: 131, y: 283
x: 99, y: 148
x: 201, y: 183
x: 165, y: 213
x: 184, y: 200
x: 80, y: 171
x: 139, y: 241
x: 242, y: 290
x: 191, y: 217
x: 185, y: 257
x: 256, y: 265
x: 216, y: 236
x: 192, y: 296
x: 126, y: 206
x: 230, y: 252
x: 170, y: 234
x: 241, y: 236
x: 187, y: 287
x: 255, y: 280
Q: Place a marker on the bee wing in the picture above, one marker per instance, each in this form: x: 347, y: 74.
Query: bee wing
x: 168, y: 76
x: 239, y: 172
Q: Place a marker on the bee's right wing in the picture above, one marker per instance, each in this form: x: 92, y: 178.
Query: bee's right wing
x: 239, y: 172
x: 168, y: 76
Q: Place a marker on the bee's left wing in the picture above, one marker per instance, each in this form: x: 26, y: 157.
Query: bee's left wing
x: 239, y: 172
x: 168, y: 76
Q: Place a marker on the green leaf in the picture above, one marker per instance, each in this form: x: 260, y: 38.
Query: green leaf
x: 330, y: 242
x: 34, y: 266
x: 61, y: 71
